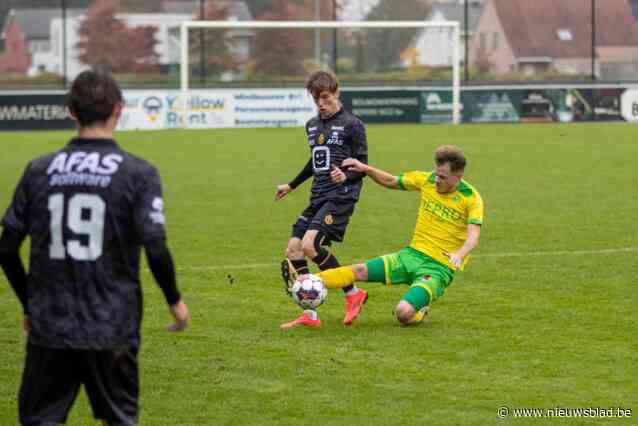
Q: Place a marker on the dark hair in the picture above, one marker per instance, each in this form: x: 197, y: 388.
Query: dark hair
x: 450, y: 154
x: 321, y: 81
x: 93, y: 97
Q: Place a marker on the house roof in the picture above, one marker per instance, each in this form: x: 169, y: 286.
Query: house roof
x: 36, y: 22
x: 238, y: 9
x: 562, y: 28
x: 456, y: 12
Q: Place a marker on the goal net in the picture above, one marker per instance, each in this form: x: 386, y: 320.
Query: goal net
x: 384, y: 57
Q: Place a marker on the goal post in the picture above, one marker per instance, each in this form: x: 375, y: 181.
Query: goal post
x: 453, y: 26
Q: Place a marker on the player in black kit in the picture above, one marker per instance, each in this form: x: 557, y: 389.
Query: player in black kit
x: 333, y: 135
x: 88, y: 209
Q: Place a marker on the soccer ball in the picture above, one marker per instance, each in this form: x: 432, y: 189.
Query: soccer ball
x: 309, y: 291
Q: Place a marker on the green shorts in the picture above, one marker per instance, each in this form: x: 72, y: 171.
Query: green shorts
x: 410, y: 266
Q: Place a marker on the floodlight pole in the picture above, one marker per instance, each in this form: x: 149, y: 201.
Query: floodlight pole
x: 64, y: 63
x: 335, y: 54
x: 202, y: 53
x: 456, y: 79
x: 466, y: 38
x: 593, y: 39
x: 317, y: 33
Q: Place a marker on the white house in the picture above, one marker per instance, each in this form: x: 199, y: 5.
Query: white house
x: 433, y: 46
x: 36, y: 29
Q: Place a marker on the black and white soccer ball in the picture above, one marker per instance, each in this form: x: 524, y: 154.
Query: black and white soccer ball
x: 309, y: 291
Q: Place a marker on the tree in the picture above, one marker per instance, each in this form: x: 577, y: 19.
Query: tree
x: 279, y: 52
x: 142, y: 55
x: 102, y: 37
x: 106, y: 41
x: 217, y: 41
x: 384, y: 46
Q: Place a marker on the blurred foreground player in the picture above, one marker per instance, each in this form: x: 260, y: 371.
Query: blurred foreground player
x: 88, y: 209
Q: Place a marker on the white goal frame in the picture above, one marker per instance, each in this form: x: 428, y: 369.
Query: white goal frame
x: 454, y: 25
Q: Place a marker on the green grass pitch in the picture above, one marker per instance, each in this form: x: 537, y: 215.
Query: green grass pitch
x: 544, y: 316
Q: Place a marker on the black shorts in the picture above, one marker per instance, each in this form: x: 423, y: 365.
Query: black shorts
x: 52, y: 378
x: 330, y: 217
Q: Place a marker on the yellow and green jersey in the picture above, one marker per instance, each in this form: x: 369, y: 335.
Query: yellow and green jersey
x: 443, y: 218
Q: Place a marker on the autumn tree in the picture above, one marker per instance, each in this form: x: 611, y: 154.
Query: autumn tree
x: 102, y: 37
x: 214, y: 45
x: 107, y: 42
x: 141, y: 46
x: 279, y: 52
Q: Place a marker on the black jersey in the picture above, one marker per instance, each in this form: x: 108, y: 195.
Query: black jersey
x: 88, y: 209
x: 332, y: 141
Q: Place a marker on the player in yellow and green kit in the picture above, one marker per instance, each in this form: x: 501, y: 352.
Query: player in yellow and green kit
x: 447, y: 229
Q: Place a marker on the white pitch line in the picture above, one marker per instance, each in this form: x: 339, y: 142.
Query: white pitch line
x: 562, y: 252
x: 490, y: 255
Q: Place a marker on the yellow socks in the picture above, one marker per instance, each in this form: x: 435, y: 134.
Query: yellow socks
x: 337, y: 277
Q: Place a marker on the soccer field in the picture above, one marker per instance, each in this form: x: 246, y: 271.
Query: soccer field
x: 543, y: 317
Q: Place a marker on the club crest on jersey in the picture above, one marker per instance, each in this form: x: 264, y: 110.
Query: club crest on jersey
x: 321, y: 139
x: 328, y: 219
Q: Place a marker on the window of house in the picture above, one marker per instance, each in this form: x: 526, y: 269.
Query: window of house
x: 483, y: 43
x: 564, y: 35
x: 495, y: 41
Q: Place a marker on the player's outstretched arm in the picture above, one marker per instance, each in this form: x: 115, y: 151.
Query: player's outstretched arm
x: 381, y: 177
x: 282, y: 191
x: 304, y: 174
x: 163, y: 269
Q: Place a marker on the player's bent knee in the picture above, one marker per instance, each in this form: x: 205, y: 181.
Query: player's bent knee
x: 292, y: 253
x: 294, y: 250
x: 404, y: 312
